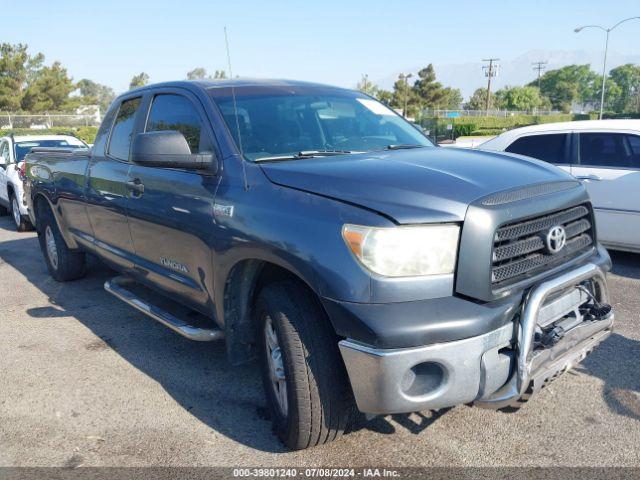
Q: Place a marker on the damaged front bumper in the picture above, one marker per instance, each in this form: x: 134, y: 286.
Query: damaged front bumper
x: 497, y: 369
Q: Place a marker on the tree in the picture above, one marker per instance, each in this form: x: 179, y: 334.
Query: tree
x: 49, y: 90
x: 403, y: 95
x: 519, y: 98
x: 366, y: 86
x: 17, y: 69
x: 385, y: 96
x: 198, y: 73
x: 627, y: 78
x: 478, y: 100
x: 139, y: 80
x: 427, y: 92
x: 451, y: 99
x: 201, y: 74
x: 95, y: 93
x: 573, y: 83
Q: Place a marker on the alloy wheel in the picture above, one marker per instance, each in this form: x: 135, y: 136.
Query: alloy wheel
x: 276, y: 367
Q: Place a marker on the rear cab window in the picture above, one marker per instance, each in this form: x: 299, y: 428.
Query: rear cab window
x: 122, y: 130
x: 552, y: 147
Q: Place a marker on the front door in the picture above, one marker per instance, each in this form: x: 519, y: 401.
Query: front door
x: 609, y: 167
x: 171, y: 214
x: 552, y: 147
x: 107, y: 192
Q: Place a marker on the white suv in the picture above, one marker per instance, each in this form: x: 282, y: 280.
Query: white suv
x: 605, y: 155
x: 12, y: 153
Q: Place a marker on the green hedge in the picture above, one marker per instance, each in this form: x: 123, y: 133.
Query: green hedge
x: 464, y: 126
x: 87, y: 134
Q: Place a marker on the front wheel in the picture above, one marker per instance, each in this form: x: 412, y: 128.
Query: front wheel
x: 304, y: 379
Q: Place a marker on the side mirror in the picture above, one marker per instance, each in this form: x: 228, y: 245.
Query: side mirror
x: 3, y: 162
x: 169, y: 149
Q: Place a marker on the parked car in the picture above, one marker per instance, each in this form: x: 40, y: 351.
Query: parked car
x: 320, y: 232
x: 13, y: 149
x: 605, y: 155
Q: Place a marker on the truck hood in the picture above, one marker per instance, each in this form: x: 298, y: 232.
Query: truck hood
x: 413, y: 186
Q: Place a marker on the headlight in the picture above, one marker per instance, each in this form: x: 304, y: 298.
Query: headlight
x: 405, y: 251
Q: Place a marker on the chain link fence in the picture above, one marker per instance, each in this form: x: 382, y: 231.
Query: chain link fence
x: 484, y: 113
x: 46, y: 121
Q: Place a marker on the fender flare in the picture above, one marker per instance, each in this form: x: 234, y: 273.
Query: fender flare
x: 55, y: 210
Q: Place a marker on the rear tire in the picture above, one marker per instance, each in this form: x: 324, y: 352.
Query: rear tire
x: 22, y: 225
x: 63, y: 263
x: 295, y: 336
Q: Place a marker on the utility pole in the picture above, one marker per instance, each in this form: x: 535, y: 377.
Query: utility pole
x: 539, y: 66
x: 490, y: 71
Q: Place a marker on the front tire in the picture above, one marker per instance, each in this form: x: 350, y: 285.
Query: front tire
x: 63, y: 263
x: 305, y: 382
x: 22, y: 225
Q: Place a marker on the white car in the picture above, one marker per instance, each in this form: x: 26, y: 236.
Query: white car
x: 12, y: 152
x: 604, y: 155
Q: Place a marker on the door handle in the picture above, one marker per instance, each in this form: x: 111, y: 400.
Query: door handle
x: 593, y: 178
x: 136, y: 186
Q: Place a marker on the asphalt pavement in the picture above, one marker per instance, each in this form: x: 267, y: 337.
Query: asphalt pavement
x: 87, y: 381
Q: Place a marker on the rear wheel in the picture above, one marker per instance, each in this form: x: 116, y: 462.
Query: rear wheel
x: 304, y: 379
x: 22, y: 225
x: 63, y: 263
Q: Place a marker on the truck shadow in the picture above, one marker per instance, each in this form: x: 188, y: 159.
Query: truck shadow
x: 625, y: 264
x: 615, y: 362
x: 196, y: 375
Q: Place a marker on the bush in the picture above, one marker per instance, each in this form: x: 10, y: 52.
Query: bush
x: 87, y: 134
x: 488, y: 132
x: 463, y: 129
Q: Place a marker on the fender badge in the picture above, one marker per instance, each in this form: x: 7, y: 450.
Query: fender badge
x: 222, y: 210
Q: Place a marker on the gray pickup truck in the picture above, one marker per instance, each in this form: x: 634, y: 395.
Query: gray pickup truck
x: 314, y: 229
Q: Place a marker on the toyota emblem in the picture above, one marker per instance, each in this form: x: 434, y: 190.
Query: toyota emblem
x: 556, y: 239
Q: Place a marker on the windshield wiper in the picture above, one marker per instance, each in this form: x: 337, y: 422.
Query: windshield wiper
x: 306, y: 154
x: 403, y: 146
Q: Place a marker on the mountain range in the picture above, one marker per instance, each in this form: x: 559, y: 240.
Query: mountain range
x: 517, y: 71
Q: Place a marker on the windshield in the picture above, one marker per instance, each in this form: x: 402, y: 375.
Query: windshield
x: 22, y: 148
x: 291, y: 121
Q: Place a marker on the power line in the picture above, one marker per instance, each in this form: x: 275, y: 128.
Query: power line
x: 539, y: 66
x: 490, y: 71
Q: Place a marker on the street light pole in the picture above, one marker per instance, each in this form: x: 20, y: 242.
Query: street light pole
x: 606, y: 48
x: 406, y: 92
x: 604, y: 73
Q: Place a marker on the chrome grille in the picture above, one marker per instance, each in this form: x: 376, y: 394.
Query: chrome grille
x: 519, y: 249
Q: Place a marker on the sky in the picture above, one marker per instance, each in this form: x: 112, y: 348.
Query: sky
x: 327, y: 41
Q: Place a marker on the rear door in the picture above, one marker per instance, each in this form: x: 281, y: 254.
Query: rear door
x: 107, y: 191
x: 552, y: 147
x: 171, y: 216
x: 609, y: 167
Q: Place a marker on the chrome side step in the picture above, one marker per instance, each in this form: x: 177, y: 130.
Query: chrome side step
x: 116, y: 287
